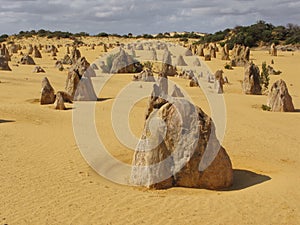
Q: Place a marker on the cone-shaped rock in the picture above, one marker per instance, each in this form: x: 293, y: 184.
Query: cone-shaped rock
x: 279, y: 99
x: 47, y: 93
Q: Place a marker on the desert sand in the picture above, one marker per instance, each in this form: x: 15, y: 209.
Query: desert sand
x: 45, y: 180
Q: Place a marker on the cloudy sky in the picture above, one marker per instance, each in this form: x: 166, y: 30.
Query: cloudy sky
x: 142, y: 16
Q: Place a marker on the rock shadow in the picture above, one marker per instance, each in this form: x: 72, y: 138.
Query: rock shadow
x: 7, y: 121
x: 243, y: 179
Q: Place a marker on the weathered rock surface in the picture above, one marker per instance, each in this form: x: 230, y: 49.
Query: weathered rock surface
x: 59, y: 103
x: 273, y: 50
x: 124, y: 63
x: 251, y: 83
x: 179, y: 148
x: 47, y: 93
x: 279, y: 99
x: 27, y: 60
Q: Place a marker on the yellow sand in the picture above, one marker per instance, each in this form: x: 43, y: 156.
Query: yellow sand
x: 45, y: 180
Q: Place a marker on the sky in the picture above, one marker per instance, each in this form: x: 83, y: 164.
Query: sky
x: 142, y: 16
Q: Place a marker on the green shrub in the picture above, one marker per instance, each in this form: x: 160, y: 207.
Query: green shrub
x: 228, y: 67
x: 266, y: 108
x: 264, y: 76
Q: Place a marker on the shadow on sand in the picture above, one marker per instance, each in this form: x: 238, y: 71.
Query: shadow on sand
x: 103, y: 99
x: 243, y: 179
x: 7, y: 121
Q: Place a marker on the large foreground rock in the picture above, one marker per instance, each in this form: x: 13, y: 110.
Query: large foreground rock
x: 279, y: 99
x: 251, y: 83
x: 47, y: 96
x: 179, y: 148
x: 85, y: 90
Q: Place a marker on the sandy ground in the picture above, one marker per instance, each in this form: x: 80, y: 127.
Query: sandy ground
x: 45, y: 180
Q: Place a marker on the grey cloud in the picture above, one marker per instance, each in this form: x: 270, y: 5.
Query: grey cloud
x: 142, y: 16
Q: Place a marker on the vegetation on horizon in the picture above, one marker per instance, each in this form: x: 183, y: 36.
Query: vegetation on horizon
x: 252, y: 36
x: 256, y: 34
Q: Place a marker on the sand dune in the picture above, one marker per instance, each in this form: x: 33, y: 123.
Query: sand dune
x: 45, y: 180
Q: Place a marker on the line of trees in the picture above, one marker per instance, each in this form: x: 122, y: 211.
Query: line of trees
x: 253, y: 35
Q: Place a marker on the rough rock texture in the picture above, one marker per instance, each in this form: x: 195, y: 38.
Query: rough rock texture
x: 251, y: 83
x: 30, y: 49
x: 273, y: 50
x: 13, y: 49
x: 36, y: 52
x: 194, y: 82
x: 179, y: 148
x: 78, y: 84
x: 200, y: 51
x: 146, y: 75
x: 167, y: 59
x: 59, y: 103
x: 72, y: 82
x: 213, y: 52
x: 75, y: 55
x: 224, y: 54
x: 66, y: 97
x: 219, y: 81
x: 167, y: 68
x: 279, y: 99
x: 67, y: 60
x: 4, y: 52
x: 27, y: 60
x: 47, y: 96
x: 124, y: 63
x: 59, y: 65
x: 85, y: 90
x: 240, y: 56
x: 180, y: 61
x: 4, y: 64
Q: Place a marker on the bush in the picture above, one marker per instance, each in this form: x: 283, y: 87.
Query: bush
x: 228, y: 67
x: 264, y: 76
x: 266, y: 108
x: 102, y: 34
